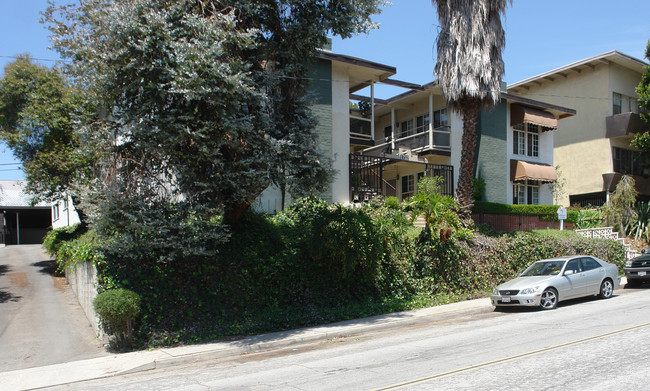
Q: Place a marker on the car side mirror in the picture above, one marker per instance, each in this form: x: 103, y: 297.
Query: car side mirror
x: 568, y: 272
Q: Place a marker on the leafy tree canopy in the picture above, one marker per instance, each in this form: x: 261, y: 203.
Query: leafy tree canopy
x: 642, y: 140
x: 36, y: 108
x: 202, y: 100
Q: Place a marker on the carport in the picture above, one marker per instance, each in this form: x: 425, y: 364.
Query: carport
x: 21, y: 223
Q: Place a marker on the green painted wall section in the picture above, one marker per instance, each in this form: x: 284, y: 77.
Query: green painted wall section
x: 320, y: 92
x: 492, y: 162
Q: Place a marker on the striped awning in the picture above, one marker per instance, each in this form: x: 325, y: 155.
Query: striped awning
x: 525, y: 171
x: 527, y: 115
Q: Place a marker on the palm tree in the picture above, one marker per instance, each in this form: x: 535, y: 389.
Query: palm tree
x: 469, y: 69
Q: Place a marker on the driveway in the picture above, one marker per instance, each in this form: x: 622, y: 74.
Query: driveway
x: 41, y: 322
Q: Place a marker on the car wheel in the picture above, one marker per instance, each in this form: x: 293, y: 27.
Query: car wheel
x: 631, y: 283
x: 548, y: 300
x: 606, y: 289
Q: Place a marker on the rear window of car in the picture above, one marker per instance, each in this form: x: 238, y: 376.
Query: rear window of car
x: 589, y: 264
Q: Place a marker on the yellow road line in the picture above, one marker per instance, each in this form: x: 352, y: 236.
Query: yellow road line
x: 507, y: 359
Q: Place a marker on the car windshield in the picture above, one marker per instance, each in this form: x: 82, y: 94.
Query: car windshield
x: 544, y: 268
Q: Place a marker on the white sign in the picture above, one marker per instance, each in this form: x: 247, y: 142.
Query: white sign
x: 561, y: 213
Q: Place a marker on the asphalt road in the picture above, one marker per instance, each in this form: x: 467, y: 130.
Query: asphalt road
x: 41, y: 323
x: 582, y: 345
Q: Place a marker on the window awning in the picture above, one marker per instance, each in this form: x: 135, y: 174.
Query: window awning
x: 522, y: 114
x: 522, y: 171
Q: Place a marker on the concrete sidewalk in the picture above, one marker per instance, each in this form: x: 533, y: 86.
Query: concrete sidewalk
x: 121, y: 364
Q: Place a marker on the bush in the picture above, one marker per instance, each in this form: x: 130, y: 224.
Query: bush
x: 589, y: 218
x: 85, y: 248
x: 550, y: 211
x: 56, y: 237
x: 478, y: 189
x: 118, y: 309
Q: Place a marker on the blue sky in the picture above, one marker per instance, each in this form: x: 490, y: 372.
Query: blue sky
x: 540, y: 36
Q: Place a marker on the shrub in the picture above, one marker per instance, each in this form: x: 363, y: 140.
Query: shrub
x: 392, y: 203
x: 478, y: 189
x: 589, y: 218
x: 56, y: 237
x: 85, y: 248
x: 338, y: 249
x: 118, y: 309
x: 549, y: 211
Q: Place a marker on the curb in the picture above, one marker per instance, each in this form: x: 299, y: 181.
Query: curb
x: 134, y: 362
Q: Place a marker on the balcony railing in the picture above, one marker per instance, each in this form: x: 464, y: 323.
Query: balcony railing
x: 437, y: 139
x: 360, y: 128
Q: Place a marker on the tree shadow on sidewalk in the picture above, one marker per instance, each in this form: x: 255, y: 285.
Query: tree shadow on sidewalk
x: 4, y: 295
x: 48, y: 267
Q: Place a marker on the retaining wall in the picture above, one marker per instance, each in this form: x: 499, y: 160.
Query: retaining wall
x: 506, y: 222
x: 83, y: 280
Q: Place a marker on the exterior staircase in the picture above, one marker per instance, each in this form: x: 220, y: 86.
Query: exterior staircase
x: 608, y: 233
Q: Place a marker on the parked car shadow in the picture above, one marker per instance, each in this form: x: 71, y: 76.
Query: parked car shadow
x: 638, y: 285
x: 565, y: 303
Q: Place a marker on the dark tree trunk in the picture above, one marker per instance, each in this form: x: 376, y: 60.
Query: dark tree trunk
x: 234, y: 213
x: 469, y: 108
x: 83, y: 217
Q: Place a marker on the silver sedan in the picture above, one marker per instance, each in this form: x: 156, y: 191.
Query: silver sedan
x: 549, y: 281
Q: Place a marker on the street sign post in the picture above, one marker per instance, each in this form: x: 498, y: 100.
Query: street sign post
x: 561, y: 215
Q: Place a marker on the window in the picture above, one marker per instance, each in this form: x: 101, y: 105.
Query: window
x: 409, y: 183
x: 440, y: 118
x: 624, y: 104
x: 573, y: 265
x: 406, y: 129
x: 617, y: 106
x: 65, y: 205
x: 533, y: 195
x: 55, y: 212
x: 525, y: 140
x: 388, y: 132
x: 589, y: 264
x: 627, y: 162
x: 518, y: 194
x: 526, y: 193
x: 422, y: 123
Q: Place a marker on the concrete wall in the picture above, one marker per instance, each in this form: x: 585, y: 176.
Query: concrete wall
x: 83, y: 281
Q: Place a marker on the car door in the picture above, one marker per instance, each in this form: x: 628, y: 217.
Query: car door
x: 575, y: 280
x: 593, y: 273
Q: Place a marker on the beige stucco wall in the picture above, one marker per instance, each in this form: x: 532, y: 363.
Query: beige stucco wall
x: 580, y: 147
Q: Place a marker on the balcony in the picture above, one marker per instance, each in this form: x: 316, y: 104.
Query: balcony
x: 420, y: 141
x: 624, y: 124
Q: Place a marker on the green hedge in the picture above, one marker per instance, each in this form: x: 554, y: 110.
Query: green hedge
x: 548, y: 211
x: 312, y: 264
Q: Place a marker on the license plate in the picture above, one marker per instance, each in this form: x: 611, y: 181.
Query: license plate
x: 641, y: 274
x: 505, y: 300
